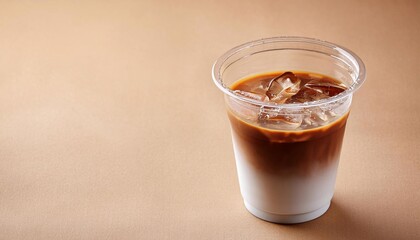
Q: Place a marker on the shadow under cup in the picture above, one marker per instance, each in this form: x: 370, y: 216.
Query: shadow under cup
x: 287, y: 175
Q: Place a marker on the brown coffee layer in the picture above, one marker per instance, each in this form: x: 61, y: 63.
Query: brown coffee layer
x: 289, y: 152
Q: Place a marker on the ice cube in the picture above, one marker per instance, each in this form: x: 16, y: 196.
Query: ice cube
x: 331, y: 113
x: 283, y: 87
x: 259, y: 97
x: 307, y: 94
x: 321, y: 115
x: 316, y: 117
x: 326, y: 86
x: 279, y: 121
x: 243, y: 111
x: 308, y: 121
x: 261, y: 88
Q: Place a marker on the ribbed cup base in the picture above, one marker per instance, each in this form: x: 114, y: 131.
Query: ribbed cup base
x: 287, y: 218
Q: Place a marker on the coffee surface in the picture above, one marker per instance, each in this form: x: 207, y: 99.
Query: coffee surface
x: 288, y: 87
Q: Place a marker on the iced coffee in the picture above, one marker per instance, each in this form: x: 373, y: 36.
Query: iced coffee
x: 288, y: 100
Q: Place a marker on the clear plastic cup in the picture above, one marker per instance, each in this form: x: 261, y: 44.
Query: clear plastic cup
x: 286, y: 173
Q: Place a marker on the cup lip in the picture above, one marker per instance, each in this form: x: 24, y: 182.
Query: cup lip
x: 361, y: 77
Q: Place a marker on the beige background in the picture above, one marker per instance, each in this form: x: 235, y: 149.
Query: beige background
x: 111, y: 127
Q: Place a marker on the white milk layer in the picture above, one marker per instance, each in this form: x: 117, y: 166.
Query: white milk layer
x: 285, y: 195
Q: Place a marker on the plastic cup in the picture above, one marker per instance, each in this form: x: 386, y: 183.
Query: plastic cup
x: 287, y: 174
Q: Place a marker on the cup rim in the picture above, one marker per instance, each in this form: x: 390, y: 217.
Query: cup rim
x: 361, y: 77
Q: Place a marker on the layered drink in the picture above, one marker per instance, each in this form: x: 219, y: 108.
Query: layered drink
x: 287, y: 162
x: 288, y: 100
